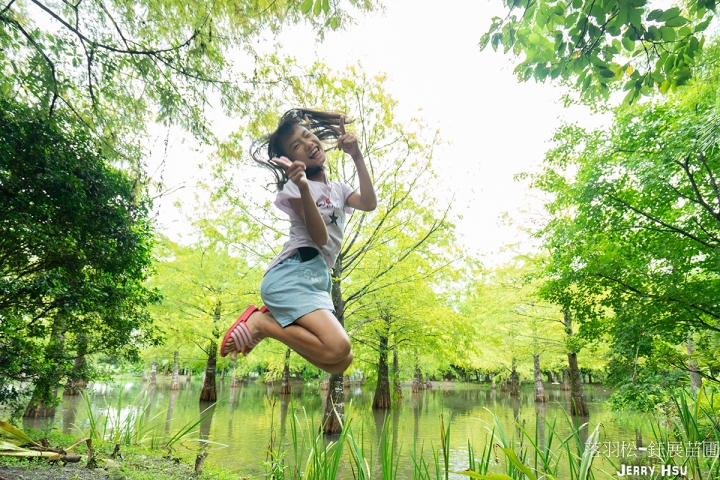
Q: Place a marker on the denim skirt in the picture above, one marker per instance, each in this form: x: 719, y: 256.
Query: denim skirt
x: 294, y: 288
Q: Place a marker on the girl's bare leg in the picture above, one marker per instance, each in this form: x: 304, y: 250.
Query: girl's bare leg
x: 318, y: 337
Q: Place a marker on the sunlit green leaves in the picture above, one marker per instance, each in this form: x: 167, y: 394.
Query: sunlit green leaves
x: 633, y: 234
x: 592, y: 44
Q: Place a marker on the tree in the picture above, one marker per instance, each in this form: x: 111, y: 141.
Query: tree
x: 513, y: 328
x: 118, y: 66
x: 634, y: 233
x: 75, y: 248
x: 205, y: 288
x: 598, y: 46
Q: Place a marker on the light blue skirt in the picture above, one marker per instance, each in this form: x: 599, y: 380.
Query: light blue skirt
x: 293, y: 288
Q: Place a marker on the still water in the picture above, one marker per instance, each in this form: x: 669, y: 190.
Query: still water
x: 241, y: 424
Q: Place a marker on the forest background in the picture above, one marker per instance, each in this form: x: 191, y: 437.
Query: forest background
x: 618, y: 280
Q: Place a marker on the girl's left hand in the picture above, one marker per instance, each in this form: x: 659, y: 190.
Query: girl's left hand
x: 347, y: 142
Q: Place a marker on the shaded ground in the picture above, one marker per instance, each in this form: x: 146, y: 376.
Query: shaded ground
x: 134, y: 467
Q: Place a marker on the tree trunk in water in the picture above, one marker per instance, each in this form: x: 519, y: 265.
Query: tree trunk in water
x: 514, y: 380
x: 175, y: 382
x: 43, y: 400
x: 539, y: 389
x: 153, y: 373
x: 285, y: 388
x: 334, y: 415
x: 695, y: 379
x: 416, y: 378
x: 382, y: 389
x: 566, y: 380
x: 579, y: 405
x: 208, y: 393
x: 396, y: 376
x: 550, y: 377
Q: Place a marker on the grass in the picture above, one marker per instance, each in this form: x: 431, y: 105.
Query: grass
x: 138, y: 462
x: 128, y: 424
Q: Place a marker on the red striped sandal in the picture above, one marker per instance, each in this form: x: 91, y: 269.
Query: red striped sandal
x: 239, y: 333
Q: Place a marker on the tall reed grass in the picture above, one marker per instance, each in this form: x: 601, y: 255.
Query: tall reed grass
x: 130, y: 423
x: 522, y: 455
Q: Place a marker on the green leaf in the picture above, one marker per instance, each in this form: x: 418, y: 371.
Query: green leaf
x: 628, y: 44
x: 318, y: 7
x: 700, y: 27
x: 668, y: 34
x: 655, y: 14
x: 306, y: 6
x: 11, y: 432
x: 335, y: 23
x: 635, y: 18
x: 326, y: 6
x: 518, y: 464
x: 670, y: 13
x: 676, y: 22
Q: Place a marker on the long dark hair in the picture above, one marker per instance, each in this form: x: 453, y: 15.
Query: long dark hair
x: 325, y: 125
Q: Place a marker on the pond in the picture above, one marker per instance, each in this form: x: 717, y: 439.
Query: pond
x: 239, y: 428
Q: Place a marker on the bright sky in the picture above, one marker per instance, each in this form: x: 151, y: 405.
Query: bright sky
x: 497, y: 127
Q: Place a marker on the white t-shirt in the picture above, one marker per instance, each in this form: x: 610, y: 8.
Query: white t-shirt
x: 331, y: 200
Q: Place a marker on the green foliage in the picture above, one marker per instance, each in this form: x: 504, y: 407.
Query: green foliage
x: 118, y: 66
x: 511, y: 322
x: 600, y: 46
x: 75, y: 249
x: 633, y: 236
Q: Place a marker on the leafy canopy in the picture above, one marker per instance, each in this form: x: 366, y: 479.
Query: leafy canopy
x: 601, y: 45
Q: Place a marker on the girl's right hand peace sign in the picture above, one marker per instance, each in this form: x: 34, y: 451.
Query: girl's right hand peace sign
x: 347, y: 142
x: 295, y: 170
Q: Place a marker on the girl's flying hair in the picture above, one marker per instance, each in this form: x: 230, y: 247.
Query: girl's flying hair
x: 325, y: 125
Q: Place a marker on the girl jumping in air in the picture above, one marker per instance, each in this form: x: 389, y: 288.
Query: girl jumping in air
x: 296, y: 287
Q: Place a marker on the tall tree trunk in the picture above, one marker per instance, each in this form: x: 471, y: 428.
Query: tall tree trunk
x: 153, y: 373
x: 334, y: 414
x: 175, y: 382
x: 550, y: 377
x: 539, y: 389
x: 285, y: 388
x: 416, y: 377
x: 565, y: 379
x: 382, y: 389
x: 208, y: 393
x: 695, y: 379
x: 43, y: 400
x: 514, y: 379
x: 577, y: 395
x: 77, y: 379
x: 397, y: 389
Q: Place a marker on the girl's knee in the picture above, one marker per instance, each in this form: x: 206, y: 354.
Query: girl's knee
x: 341, y: 366
x: 339, y: 350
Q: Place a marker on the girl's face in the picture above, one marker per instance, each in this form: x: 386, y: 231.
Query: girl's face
x: 302, y: 145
